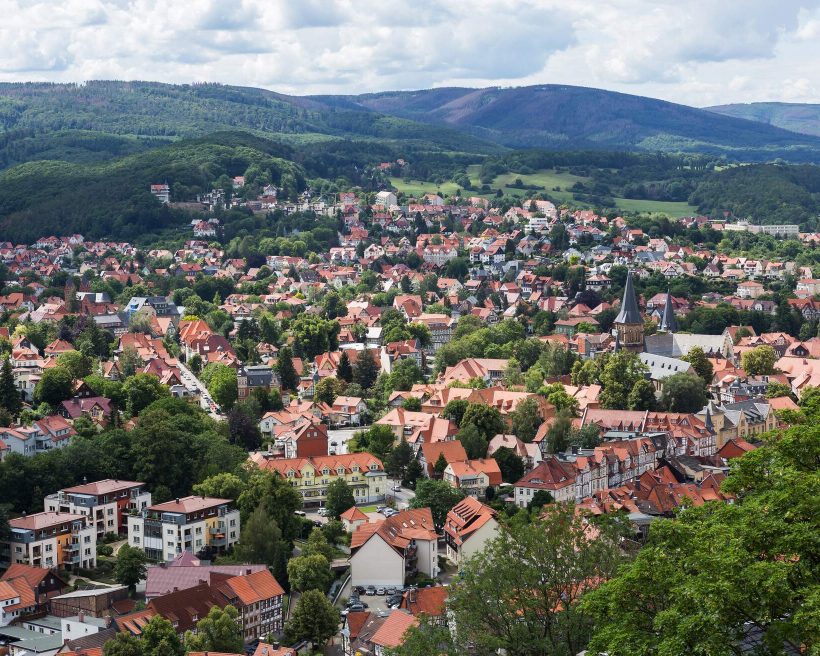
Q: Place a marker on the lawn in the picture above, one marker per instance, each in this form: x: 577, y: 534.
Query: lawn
x: 419, y: 187
x: 367, y: 509
x: 673, y: 209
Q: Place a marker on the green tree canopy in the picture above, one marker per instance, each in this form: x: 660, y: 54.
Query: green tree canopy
x: 219, y: 631
x: 310, y: 573
x: 438, y: 496
x: 683, y: 392
x: 314, y: 619
x: 130, y: 567
x: 759, y: 361
x: 339, y: 497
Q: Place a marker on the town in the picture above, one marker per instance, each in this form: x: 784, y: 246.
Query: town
x: 256, y: 447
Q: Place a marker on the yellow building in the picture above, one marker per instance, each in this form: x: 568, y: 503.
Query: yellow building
x: 364, y: 473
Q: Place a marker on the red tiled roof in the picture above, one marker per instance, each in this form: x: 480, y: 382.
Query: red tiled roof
x: 391, y: 633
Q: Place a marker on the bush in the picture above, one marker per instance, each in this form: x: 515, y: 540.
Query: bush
x: 104, y: 550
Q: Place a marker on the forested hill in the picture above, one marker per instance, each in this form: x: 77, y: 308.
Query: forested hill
x: 98, y: 120
x: 797, y: 117
x: 568, y: 117
x: 112, y: 199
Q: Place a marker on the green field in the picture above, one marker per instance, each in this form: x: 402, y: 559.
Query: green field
x: 673, y: 209
x: 556, y: 185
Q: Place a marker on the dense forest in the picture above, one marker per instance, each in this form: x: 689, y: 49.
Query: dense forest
x: 112, y: 199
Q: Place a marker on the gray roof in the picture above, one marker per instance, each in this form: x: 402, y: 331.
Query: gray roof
x: 661, y: 366
x: 669, y: 322
x: 629, y: 305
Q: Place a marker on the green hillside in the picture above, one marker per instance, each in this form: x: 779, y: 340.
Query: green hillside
x: 567, y: 117
x: 112, y: 199
x: 797, y: 117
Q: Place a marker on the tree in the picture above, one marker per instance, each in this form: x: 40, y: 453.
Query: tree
x: 540, y: 499
x: 123, y: 644
x: 377, y: 440
x: 159, y: 638
x: 722, y: 573
x: 553, y: 559
x: 366, y: 370
x: 130, y: 568
x: 262, y: 542
x: 683, y: 392
x: 9, y: 395
x: 558, y: 433
x: 485, y: 418
x: 586, y: 437
x: 412, y: 403
x: 438, y: 496
x: 405, y: 373
x: 776, y: 389
x: 219, y: 631
x: 328, y: 389
x: 55, y: 386
x: 314, y: 619
x: 284, y: 366
x: 473, y: 441
x: 642, y: 396
x: 222, y: 384
x: 510, y: 464
x: 344, y: 371
x: 141, y: 390
x: 700, y: 363
x: 425, y: 639
x: 339, y: 497
x: 399, y: 458
x: 759, y: 361
x: 78, y: 365
x: 440, y: 465
x: 243, y: 429
x: 220, y: 486
x: 414, y: 472
x: 526, y: 419
x: 317, y: 544
x: 310, y: 573
x: 619, y: 374
x: 313, y: 335
x: 454, y: 410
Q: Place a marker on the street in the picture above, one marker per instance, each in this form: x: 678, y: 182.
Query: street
x: 193, y: 383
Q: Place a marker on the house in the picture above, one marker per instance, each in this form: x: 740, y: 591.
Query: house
x: 489, y: 370
x: 347, y: 411
x: 384, y: 553
x: 418, y: 427
x: 252, y: 377
x: 51, y: 539
x: 258, y: 598
x: 106, y: 503
x: 16, y: 600
x: 195, y: 524
x: 553, y: 476
x: 391, y: 634
x: 473, y: 477
x: 364, y: 473
x: 430, y: 452
x: 468, y: 527
x: 303, y: 438
x: 44, y: 584
x: 352, y: 518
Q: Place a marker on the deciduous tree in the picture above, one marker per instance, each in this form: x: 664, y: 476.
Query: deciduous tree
x: 314, y: 619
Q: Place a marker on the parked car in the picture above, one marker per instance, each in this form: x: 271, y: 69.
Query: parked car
x: 394, y: 600
x: 381, y: 509
x: 324, y: 512
x: 391, y: 591
x: 358, y: 589
x: 380, y: 591
x: 396, y: 488
x: 334, y: 443
x: 370, y: 590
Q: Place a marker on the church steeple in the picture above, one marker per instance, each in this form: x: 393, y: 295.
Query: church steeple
x: 669, y: 323
x: 629, y: 329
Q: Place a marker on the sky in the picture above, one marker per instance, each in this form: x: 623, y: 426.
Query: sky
x: 696, y: 52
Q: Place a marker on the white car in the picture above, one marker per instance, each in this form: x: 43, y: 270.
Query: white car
x: 396, y: 488
x: 324, y: 512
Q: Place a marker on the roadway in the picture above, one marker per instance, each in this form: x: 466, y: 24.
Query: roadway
x: 205, y: 400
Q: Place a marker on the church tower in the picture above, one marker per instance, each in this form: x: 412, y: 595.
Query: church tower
x: 628, y: 324
x: 669, y: 323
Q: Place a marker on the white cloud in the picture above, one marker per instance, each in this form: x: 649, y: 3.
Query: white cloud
x: 697, y: 52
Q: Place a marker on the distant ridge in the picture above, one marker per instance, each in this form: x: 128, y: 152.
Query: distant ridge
x: 797, y: 117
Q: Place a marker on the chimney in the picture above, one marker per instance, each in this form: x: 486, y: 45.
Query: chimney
x: 248, y: 572
x: 107, y: 621
x: 176, y: 589
x: 177, y: 499
x: 203, y: 582
x: 81, y: 617
x: 275, y: 645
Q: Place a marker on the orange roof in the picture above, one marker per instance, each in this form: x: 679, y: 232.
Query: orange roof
x: 256, y: 587
x: 391, y: 633
x: 264, y: 649
x: 426, y: 601
x: 43, y: 520
x: 353, y: 514
x: 398, y: 530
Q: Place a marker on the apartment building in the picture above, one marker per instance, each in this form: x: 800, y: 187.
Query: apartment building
x: 258, y: 598
x: 195, y: 524
x: 106, y: 503
x: 363, y: 472
x: 51, y: 539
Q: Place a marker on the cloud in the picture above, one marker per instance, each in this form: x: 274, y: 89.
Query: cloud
x: 698, y: 52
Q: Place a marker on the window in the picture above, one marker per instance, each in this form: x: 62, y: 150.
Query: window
x: 48, y: 547
x: 136, y: 540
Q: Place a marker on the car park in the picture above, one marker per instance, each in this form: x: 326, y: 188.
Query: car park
x: 394, y: 601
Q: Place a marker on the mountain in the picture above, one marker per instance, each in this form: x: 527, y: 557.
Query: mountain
x: 569, y: 117
x: 112, y: 199
x: 797, y: 117
x: 99, y: 120
x: 88, y: 122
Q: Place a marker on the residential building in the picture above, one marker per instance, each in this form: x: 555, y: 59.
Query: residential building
x: 251, y: 377
x: 553, y: 476
x: 468, y: 527
x: 473, y: 477
x: 258, y: 598
x: 43, y: 584
x: 364, y: 473
x: 195, y: 524
x: 385, y: 553
x: 51, y: 539
x: 106, y: 503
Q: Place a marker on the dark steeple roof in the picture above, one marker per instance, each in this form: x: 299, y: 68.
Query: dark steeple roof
x: 669, y: 322
x: 629, y: 305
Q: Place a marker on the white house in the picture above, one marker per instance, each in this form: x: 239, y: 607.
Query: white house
x: 385, y: 552
x: 468, y: 527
